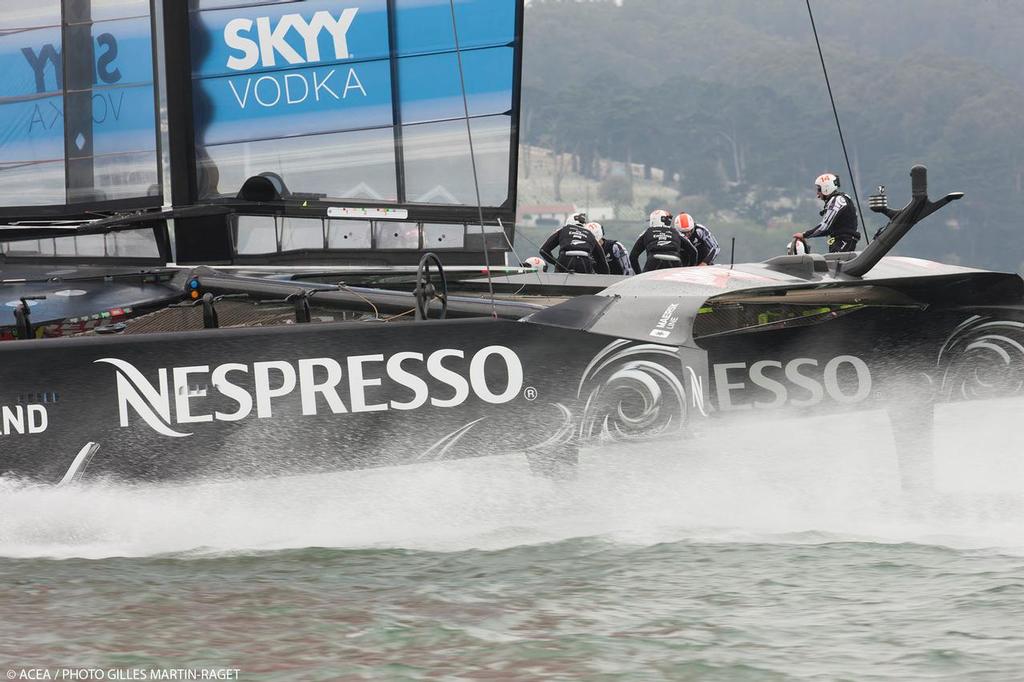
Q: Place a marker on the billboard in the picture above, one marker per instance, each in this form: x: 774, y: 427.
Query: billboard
x: 357, y: 100
x: 77, y: 115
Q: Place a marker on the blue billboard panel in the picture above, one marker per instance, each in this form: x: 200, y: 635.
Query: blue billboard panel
x: 425, y: 26
x: 32, y: 130
x: 277, y: 85
x: 264, y: 38
x: 289, y: 70
x: 431, y: 89
x: 122, y: 98
x: 112, y: 128
x: 31, y: 106
x: 295, y: 102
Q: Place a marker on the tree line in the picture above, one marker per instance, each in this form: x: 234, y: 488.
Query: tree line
x: 729, y: 99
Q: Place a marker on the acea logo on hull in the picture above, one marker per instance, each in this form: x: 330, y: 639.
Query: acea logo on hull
x: 290, y: 41
x: 173, y: 400
x: 813, y: 380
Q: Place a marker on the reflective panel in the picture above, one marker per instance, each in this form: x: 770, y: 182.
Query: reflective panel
x: 132, y: 244
x: 218, y: 4
x: 139, y: 243
x: 354, y: 165
x: 396, y: 235
x: 475, y: 237
x: 255, y: 235
x: 29, y: 248
x: 301, y: 233
x: 71, y: 134
x: 85, y: 245
x: 30, y: 15
x: 31, y: 115
x: 438, y: 236
x: 438, y: 169
x: 349, y: 234
x: 119, y: 9
x: 123, y: 176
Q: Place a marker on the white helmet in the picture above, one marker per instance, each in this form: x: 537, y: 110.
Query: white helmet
x: 597, y: 229
x: 660, y: 218
x: 684, y: 223
x: 535, y: 262
x: 827, y: 184
x: 577, y: 219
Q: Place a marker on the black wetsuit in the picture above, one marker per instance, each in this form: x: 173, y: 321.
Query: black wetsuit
x: 575, y: 238
x: 838, y: 223
x: 662, y: 239
x: 707, y: 245
x: 618, y: 259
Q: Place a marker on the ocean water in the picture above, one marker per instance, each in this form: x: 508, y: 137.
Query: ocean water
x: 766, y: 550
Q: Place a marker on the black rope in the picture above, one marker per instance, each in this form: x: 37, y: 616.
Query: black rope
x: 472, y: 158
x: 835, y: 112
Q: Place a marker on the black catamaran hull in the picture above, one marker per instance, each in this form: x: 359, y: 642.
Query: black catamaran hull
x: 269, y: 401
x: 254, y: 402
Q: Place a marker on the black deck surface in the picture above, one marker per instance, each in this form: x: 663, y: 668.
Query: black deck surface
x: 79, y: 291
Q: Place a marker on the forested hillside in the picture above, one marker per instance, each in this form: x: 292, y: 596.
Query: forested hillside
x: 728, y: 97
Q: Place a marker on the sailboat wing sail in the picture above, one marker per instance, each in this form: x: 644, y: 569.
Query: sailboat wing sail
x: 77, y: 113
x: 358, y: 101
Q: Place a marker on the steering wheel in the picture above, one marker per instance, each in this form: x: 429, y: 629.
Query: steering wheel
x: 426, y: 291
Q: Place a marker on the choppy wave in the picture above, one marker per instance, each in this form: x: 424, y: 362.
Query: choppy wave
x: 760, y: 480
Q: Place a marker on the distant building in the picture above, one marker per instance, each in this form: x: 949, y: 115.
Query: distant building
x: 544, y: 215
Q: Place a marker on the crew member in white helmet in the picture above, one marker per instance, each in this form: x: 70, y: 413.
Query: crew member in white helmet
x: 578, y: 249
x: 664, y: 245
x: 838, y: 217
x: 615, y: 252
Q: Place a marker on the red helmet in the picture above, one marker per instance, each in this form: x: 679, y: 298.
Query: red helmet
x: 685, y: 223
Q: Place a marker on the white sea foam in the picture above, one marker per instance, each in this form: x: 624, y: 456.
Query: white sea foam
x: 760, y: 480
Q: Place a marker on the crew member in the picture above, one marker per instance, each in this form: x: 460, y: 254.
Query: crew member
x: 664, y: 245
x: 578, y: 250
x: 838, y: 217
x: 614, y: 252
x: 700, y: 237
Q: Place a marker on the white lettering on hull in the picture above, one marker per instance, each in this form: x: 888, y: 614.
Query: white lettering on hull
x: 172, y: 401
x: 779, y: 379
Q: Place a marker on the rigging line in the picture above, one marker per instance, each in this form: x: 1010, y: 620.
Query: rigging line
x: 519, y: 258
x: 472, y: 159
x: 835, y: 112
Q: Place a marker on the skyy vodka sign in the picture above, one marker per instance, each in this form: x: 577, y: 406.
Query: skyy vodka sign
x: 295, y: 68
